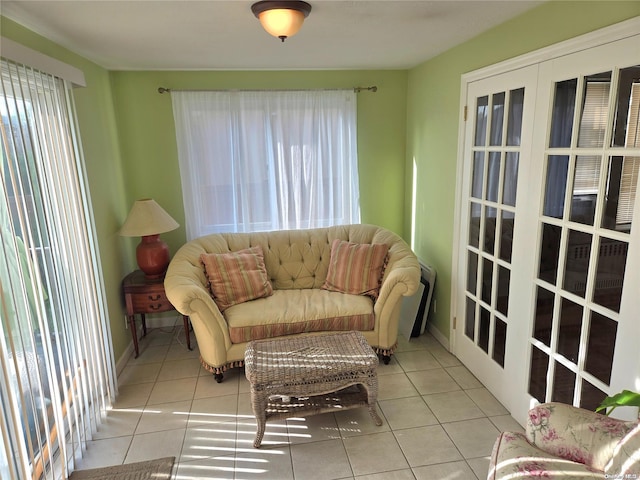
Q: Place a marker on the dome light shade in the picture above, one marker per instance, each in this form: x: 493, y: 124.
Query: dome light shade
x: 281, y: 19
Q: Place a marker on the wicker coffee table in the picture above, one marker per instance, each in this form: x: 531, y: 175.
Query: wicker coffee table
x: 294, y: 376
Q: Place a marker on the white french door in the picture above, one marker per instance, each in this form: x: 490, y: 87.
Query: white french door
x: 548, y: 260
x: 496, y: 163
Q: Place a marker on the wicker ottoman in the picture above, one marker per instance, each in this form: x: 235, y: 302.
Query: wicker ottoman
x: 294, y: 376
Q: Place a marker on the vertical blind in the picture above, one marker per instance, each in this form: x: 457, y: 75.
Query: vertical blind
x: 56, y: 362
x: 631, y: 165
x: 593, y: 124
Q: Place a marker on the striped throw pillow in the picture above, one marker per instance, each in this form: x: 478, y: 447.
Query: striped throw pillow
x: 236, y: 277
x: 356, y: 268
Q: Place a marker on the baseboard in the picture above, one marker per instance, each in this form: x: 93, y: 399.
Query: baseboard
x: 124, y: 358
x: 437, y: 334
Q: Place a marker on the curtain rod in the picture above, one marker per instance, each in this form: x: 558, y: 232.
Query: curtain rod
x: 355, y: 89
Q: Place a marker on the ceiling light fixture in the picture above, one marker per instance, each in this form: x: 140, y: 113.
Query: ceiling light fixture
x: 281, y: 19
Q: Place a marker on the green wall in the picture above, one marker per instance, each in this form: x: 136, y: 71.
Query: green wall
x: 434, y: 112
x: 96, y: 119
x: 148, y: 143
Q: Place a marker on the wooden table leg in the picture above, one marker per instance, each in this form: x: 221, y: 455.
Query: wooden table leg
x: 134, y: 334
x: 144, y: 324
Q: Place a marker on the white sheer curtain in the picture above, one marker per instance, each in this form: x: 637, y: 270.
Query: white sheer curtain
x: 56, y: 362
x: 256, y: 161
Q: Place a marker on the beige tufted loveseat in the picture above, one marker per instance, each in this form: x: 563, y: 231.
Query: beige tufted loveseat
x: 296, y: 262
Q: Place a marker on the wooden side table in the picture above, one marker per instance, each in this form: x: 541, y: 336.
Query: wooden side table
x: 143, y: 295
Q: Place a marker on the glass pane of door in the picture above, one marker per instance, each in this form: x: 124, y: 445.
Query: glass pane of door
x: 492, y: 216
x: 589, y: 193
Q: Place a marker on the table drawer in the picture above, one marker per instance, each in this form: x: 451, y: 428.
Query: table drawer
x: 150, y: 302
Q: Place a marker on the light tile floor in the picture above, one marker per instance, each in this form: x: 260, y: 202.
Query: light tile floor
x: 439, y: 422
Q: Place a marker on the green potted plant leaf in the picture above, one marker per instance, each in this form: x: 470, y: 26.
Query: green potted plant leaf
x: 624, y: 398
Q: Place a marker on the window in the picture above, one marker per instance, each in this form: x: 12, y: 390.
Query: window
x: 631, y: 164
x: 55, y: 350
x: 622, y: 171
x: 257, y: 161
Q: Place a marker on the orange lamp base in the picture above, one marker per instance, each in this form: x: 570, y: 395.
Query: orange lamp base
x: 152, y: 255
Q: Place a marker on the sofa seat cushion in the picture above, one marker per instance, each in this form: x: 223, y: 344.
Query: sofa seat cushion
x: 289, y: 312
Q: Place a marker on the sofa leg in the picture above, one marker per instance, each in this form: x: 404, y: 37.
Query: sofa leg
x: 218, y: 377
x: 386, y: 359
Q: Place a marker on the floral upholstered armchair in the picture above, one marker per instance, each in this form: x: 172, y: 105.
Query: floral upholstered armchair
x: 562, y: 441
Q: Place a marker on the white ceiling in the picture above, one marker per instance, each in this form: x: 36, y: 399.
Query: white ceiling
x: 215, y: 34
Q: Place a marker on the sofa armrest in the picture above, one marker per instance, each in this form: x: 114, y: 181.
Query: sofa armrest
x: 626, y: 456
x: 402, y: 271
x: 188, y: 294
x: 575, y: 434
x: 513, y: 457
x: 402, y: 278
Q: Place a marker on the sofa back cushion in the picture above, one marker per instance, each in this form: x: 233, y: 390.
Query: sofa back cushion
x: 356, y: 268
x: 294, y: 259
x: 236, y: 277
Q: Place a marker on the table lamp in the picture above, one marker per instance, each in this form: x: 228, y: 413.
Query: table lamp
x: 148, y: 220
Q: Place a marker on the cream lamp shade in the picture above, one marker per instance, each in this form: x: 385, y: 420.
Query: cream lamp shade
x: 281, y: 19
x: 148, y: 220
